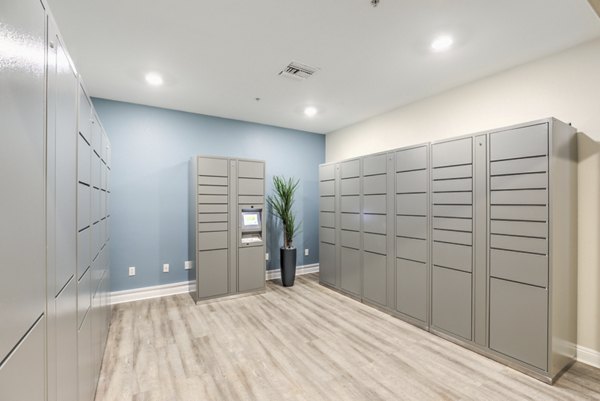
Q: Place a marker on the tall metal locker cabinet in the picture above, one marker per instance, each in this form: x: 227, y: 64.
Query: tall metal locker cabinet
x: 227, y: 225
x: 350, y: 223
x: 328, y: 184
x: 411, y: 175
x: 377, y: 230
x: 23, y: 228
x: 533, y: 245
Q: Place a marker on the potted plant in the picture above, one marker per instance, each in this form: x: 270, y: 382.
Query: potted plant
x: 280, y: 204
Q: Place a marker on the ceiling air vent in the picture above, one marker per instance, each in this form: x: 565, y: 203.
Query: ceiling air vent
x: 298, y: 71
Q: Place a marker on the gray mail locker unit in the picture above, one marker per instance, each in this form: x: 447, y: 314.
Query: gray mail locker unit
x: 350, y: 224
x: 328, y: 206
x: 229, y: 255
x: 411, y: 172
x: 532, y: 236
x: 376, y: 271
x: 452, y: 242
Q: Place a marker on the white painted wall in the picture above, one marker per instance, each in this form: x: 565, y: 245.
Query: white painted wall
x: 565, y: 86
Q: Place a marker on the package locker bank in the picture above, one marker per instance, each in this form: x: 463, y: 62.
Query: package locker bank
x: 472, y: 238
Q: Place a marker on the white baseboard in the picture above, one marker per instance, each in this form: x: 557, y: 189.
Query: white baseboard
x: 588, y: 356
x: 300, y: 270
x: 157, y: 291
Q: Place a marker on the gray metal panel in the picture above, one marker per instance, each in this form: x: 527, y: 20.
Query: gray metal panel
x: 453, y: 172
x: 520, y: 181
x: 455, y: 237
x: 451, y: 301
x: 85, y: 116
x: 411, y: 288
x: 208, y: 241
x: 411, y: 181
x: 350, y: 270
x: 210, y: 166
x: 327, y: 172
x: 520, y: 197
x: 22, y: 179
x: 526, y: 228
x: 96, y: 136
x: 212, y: 217
x: 518, y: 266
x: 327, y: 219
x: 350, y: 186
x: 250, y: 169
x: 519, y: 142
x: 350, y: 204
x: 251, y: 268
x: 350, y: 169
x: 412, y: 226
x: 84, y: 205
x: 460, y: 184
x: 327, y: 204
x: 480, y: 241
x: 350, y: 239
x: 251, y: 200
x: 519, y: 321
x: 375, y: 184
x: 327, y: 263
x: 84, y: 257
x: 22, y: 375
x: 327, y: 235
x: 375, y: 223
x: 530, y: 213
x: 350, y: 221
x: 209, y: 180
x: 95, y: 170
x: 465, y: 211
x: 374, y: 164
x: 66, y: 340
x: 411, y: 159
x: 410, y: 248
x: 208, y: 227
x: 448, y: 223
x: 412, y: 204
x: 519, y: 166
x: 374, y: 278
x: 85, y: 362
x: 212, y: 273
x: 374, y: 204
x: 84, y: 296
x: 376, y: 243
x: 452, y: 198
x: 212, y: 190
x: 327, y: 188
x: 211, y: 209
x: 453, y: 256
x: 452, y: 153
x: 213, y: 199
x: 84, y: 166
x: 524, y: 244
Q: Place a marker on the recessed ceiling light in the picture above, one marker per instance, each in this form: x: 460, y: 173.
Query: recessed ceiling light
x: 154, y: 79
x: 310, y: 111
x: 442, y: 43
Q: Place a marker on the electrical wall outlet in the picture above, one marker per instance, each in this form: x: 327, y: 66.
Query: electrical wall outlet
x: 187, y: 265
x: 166, y: 268
x: 306, y: 252
x: 132, y: 271
x: 267, y: 256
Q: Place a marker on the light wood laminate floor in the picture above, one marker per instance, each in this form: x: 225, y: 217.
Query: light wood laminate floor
x: 301, y: 343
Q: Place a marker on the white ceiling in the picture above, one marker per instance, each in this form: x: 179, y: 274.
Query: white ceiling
x: 218, y: 56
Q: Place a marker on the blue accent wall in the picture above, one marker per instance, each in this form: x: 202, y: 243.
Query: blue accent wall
x: 151, y: 149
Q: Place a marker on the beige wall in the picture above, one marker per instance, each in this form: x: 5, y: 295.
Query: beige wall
x: 565, y: 86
